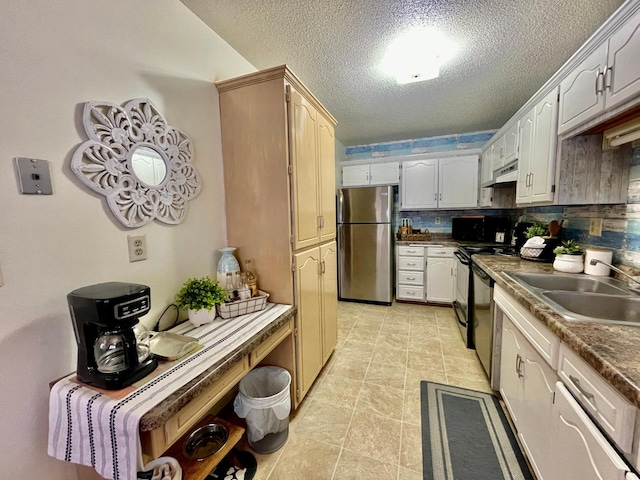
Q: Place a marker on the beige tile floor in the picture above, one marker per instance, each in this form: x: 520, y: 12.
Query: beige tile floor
x: 361, y: 419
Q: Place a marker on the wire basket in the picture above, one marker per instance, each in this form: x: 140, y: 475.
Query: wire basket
x: 529, y: 252
x: 243, y: 307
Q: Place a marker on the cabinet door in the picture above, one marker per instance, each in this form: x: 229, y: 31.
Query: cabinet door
x: 329, y: 299
x: 458, y: 182
x: 440, y: 279
x: 580, y: 97
x: 511, y: 370
x: 327, y: 178
x: 486, y: 171
x: 542, y: 165
x: 525, y: 129
x: 585, y: 453
x: 355, y: 175
x: 384, y: 173
x: 624, y: 51
x: 309, y: 319
x: 537, y: 395
x: 497, y: 154
x: 304, y: 160
x: 419, y: 184
x: 511, y: 144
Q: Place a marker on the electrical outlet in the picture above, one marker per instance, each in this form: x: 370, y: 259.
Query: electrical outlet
x: 137, y: 247
x: 437, y: 220
x: 595, y: 227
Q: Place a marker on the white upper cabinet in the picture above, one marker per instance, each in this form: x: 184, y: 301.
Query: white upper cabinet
x: 439, y: 183
x: 609, y: 76
x: 458, y: 182
x: 419, y: 185
x: 486, y: 169
x: 355, y: 175
x: 510, y: 144
x: 536, y: 164
x: 386, y: 173
x: 580, y: 97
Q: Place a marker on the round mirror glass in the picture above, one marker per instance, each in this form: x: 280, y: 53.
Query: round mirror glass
x: 148, y: 165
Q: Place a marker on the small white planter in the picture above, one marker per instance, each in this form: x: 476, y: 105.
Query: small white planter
x: 569, y: 263
x: 200, y: 317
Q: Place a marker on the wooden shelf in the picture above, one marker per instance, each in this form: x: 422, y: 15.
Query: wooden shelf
x: 199, y: 469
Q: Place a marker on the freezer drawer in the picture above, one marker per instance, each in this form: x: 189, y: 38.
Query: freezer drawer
x: 365, y: 262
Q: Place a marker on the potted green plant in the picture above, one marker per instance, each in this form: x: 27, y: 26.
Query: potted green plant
x: 569, y: 257
x: 200, y: 296
x: 536, y: 230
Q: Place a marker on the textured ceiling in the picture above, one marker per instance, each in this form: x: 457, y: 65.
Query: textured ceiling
x: 509, y: 49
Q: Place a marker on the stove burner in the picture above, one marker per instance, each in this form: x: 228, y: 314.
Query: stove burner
x: 468, y: 250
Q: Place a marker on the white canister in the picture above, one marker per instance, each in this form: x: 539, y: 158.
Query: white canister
x: 602, y: 254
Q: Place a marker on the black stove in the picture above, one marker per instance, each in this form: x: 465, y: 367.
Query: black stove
x: 464, y: 294
x: 503, y: 250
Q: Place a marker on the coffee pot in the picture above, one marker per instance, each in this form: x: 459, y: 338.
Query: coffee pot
x: 110, y: 355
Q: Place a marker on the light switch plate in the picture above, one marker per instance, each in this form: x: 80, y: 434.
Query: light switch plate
x: 34, y: 176
x: 595, y: 227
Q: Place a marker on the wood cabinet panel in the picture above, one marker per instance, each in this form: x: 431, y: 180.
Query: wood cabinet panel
x: 329, y: 281
x: 304, y: 151
x: 327, y: 178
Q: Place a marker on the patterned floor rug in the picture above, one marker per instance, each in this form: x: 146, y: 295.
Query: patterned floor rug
x: 466, y: 436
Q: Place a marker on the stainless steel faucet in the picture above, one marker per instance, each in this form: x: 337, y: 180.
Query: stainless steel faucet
x: 634, y: 280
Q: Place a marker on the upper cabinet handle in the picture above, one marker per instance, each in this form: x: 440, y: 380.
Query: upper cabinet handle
x: 599, y: 82
x: 608, y: 73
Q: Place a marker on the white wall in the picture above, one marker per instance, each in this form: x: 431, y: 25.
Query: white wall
x: 53, y: 57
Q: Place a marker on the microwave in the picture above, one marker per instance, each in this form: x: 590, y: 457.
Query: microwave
x: 481, y: 228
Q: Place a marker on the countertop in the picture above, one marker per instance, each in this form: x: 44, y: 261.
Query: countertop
x: 161, y: 413
x: 612, y: 350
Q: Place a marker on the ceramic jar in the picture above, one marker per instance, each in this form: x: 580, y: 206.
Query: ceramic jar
x: 202, y: 316
x: 569, y: 263
x: 227, y: 264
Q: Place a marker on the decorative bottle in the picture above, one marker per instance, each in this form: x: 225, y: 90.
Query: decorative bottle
x: 227, y: 264
x: 251, y: 278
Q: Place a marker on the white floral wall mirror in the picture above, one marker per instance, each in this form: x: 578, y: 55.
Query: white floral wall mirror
x: 137, y: 161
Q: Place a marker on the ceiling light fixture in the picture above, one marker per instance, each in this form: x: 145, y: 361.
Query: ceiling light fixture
x: 417, y: 55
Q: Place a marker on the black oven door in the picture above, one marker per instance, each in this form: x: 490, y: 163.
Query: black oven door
x: 461, y: 302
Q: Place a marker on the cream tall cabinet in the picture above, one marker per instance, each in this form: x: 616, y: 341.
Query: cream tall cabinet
x: 278, y: 149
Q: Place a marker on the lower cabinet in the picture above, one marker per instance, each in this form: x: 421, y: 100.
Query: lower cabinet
x: 440, y: 274
x: 316, y: 329
x: 410, y: 273
x: 527, y: 387
x: 560, y: 440
x: 581, y: 451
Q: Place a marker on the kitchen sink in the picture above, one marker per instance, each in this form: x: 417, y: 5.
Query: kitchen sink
x: 624, y: 310
x: 571, y: 282
x: 580, y: 297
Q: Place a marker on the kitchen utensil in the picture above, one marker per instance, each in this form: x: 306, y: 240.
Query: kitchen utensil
x: 554, y: 228
x: 205, y: 441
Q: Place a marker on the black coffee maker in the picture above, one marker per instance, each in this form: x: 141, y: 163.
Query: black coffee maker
x: 103, y: 315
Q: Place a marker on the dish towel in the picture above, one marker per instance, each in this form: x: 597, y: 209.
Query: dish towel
x: 89, y: 427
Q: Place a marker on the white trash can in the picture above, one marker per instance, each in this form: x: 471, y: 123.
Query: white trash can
x: 264, y: 401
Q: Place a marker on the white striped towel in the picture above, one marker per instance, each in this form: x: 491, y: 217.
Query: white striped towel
x: 91, y: 428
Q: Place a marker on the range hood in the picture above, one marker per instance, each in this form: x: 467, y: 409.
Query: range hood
x: 507, y: 174
x: 621, y: 134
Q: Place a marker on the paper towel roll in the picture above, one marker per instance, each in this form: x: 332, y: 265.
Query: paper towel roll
x: 602, y: 254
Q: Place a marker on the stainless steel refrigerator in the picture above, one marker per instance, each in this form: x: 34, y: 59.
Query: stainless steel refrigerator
x: 365, y: 244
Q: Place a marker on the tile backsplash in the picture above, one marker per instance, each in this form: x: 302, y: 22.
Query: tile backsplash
x: 621, y: 222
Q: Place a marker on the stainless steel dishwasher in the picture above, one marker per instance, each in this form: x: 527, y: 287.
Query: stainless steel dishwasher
x: 482, y: 331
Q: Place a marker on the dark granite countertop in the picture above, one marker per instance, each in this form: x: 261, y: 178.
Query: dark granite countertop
x: 612, y: 350
x: 166, y: 409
